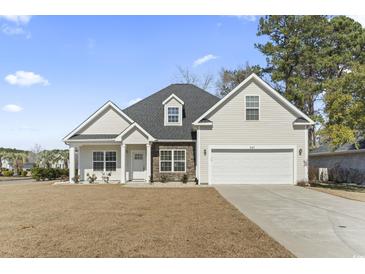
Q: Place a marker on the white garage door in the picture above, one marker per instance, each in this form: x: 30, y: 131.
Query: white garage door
x: 245, y: 166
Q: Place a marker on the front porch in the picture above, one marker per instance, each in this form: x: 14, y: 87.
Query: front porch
x: 117, y: 163
x: 123, y: 158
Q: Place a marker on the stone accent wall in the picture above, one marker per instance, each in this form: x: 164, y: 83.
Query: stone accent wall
x: 173, y: 176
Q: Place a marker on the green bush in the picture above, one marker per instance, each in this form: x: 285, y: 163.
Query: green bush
x: 184, y: 179
x: 39, y: 173
x: 24, y: 173
x: 8, y: 173
x: 163, y: 179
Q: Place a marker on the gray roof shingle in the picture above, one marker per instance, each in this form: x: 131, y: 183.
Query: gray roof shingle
x: 93, y: 136
x: 345, y: 147
x: 149, y: 112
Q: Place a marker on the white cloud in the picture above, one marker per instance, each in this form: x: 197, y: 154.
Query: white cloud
x: 133, y: 101
x: 17, y: 19
x: 250, y: 18
x: 12, y: 108
x: 204, y: 59
x: 26, y: 78
x: 358, y: 18
x: 15, y: 30
x: 15, y: 25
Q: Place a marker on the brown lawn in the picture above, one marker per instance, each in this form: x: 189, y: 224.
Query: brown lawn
x: 357, y: 195
x: 114, y: 221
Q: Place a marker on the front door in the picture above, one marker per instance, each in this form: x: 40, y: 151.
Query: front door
x: 138, y: 165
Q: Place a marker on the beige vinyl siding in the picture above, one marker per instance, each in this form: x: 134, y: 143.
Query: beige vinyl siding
x: 275, y: 127
x: 86, y: 161
x: 108, y: 122
x: 135, y: 136
x: 172, y: 103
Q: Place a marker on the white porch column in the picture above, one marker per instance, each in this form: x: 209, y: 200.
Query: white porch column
x: 122, y: 163
x: 148, y: 162
x: 72, y: 163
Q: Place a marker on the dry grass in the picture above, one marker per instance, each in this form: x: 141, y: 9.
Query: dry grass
x: 114, y: 221
x: 348, y: 194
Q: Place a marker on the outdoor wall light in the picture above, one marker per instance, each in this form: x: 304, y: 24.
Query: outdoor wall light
x: 205, y: 152
x: 300, y: 151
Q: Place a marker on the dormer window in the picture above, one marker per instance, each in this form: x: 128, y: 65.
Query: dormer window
x: 173, y: 111
x: 172, y: 114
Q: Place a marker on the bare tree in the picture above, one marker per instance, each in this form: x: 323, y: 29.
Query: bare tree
x: 186, y: 76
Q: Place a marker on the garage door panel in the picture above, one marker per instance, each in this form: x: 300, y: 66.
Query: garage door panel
x: 238, y: 166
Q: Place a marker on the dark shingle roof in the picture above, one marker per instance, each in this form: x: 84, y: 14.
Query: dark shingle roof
x: 149, y: 112
x: 93, y: 136
x: 300, y: 120
x: 345, y: 147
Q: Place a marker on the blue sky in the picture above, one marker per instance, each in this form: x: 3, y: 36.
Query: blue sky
x: 57, y: 70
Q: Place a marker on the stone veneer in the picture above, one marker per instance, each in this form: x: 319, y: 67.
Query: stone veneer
x: 173, y: 176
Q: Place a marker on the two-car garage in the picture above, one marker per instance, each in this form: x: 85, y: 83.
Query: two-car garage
x: 251, y: 165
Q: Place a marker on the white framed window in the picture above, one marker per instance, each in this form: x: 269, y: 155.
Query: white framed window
x: 104, y: 161
x: 172, y: 160
x: 173, y: 115
x: 252, y: 107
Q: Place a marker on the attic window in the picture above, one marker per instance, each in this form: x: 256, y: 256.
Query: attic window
x: 252, y: 108
x: 173, y: 115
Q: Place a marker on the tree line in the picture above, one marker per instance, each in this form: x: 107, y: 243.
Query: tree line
x: 317, y: 63
x: 37, y: 156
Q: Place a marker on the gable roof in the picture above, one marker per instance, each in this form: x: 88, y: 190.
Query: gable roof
x: 149, y: 112
x: 128, y: 129
x: 94, y: 115
x: 173, y: 96
x: 268, y: 88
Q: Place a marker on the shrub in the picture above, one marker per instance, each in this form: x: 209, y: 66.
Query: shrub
x: 313, y: 173
x: 76, y: 179
x: 8, y: 173
x: 24, y: 173
x: 184, y: 179
x: 163, y: 179
x: 39, y: 173
x: 91, y: 178
x: 302, y: 183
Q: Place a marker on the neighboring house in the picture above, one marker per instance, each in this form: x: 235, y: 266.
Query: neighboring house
x: 346, y: 156
x: 252, y: 135
x: 59, y: 164
x: 28, y: 166
x: 5, y: 163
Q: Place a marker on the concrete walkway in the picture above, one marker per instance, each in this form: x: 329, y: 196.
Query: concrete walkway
x: 306, y: 222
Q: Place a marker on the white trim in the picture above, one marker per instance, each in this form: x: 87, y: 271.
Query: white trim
x: 253, y: 147
x: 301, y: 124
x: 104, y: 161
x: 166, y: 116
x: 120, y: 136
x: 197, y: 158
x: 245, y: 106
x: 122, y: 164
x: 91, y: 117
x: 266, y: 86
x: 145, y: 159
x: 203, y: 124
x: 306, y: 163
x: 171, y: 97
x: 111, y: 141
x: 327, y: 153
x: 172, y: 160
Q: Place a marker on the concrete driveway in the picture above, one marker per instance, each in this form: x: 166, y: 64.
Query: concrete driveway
x: 306, y: 222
